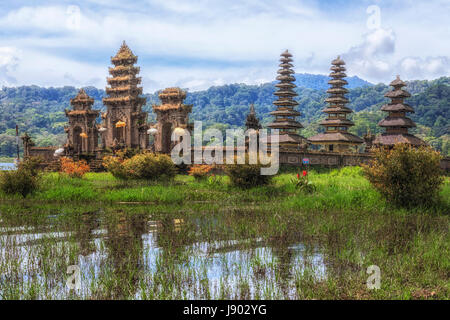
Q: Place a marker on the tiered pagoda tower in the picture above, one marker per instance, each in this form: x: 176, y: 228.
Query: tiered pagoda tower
x: 171, y: 114
x: 285, y: 115
x: 397, y: 123
x: 252, y: 121
x: 82, y: 132
x: 124, y: 120
x: 336, y: 137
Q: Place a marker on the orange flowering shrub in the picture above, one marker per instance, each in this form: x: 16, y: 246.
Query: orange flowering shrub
x: 200, y: 171
x: 406, y: 176
x: 75, y: 169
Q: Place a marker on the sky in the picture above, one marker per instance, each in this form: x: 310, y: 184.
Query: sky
x: 196, y: 44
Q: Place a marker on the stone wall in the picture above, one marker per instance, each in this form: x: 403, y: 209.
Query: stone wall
x: 46, y: 153
x: 325, y: 159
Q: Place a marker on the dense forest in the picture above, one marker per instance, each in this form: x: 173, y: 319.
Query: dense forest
x: 40, y: 111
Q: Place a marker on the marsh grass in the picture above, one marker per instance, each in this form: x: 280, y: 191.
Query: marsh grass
x: 192, y: 239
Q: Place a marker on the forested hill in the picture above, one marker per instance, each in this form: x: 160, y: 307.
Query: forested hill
x: 40, y: 111
x: 320, y: 82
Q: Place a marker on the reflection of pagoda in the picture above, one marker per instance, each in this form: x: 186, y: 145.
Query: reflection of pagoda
x: 336, y: 136
x: 125, y: 252
x: 82, y: 132
x: 285, y: 114
x: 396, y: 123
x: 125, y: 123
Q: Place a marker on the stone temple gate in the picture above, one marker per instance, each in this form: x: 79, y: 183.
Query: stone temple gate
x: 172, y: 114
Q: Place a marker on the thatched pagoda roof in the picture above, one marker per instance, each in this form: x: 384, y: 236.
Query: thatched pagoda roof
x: 392, y: 139
x: 398, y: 82
x: 286, y: 93
x: 338, y: 82
x: 285, y: 85
x: 401, y: 107
x: 123, y: 54
x: 285, y: 112
x: 286, y: 53
x: 285, y: 124
x: 337, y: 75
x: 337, y: 99
x: 285, y: 102
x: 397, y: 122
x: 285, y: 78
x: 336, y: 122
x: 333, y: 137
x: 337, y: 109
x: 337, y: 90
x: 82, y: 98
x: 285, y: 71
x: 398, y: 93
x: 338, y: 61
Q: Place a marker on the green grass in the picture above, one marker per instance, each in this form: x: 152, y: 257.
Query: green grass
x: 250, y: 235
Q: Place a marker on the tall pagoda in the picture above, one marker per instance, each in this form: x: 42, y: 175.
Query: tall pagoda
x: 397, y: 123
x: 252, y: 121
x: 124, y: 123
x: 82, y: 132
x: 336, y: 137
x: 285, y: 115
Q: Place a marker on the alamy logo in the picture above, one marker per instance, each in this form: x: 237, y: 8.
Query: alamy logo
x: 261, y: 147
x: 74, y: 280
x: 374, y: 280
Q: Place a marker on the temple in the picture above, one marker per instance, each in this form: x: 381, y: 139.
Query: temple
x: 397, y: 123
x: 336, y: 137
x: 124, y: 122
x: 171, y: 114
x: 285, y: 115
x: 82, y: 131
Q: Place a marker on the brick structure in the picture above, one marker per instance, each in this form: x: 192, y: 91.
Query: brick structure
x: 124, y: 122
x: 82, y: 131
x: 171, y: 114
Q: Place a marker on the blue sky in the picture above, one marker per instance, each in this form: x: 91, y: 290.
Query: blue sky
x: 199, y: 43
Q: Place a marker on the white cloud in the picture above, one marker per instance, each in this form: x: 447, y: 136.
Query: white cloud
x: 221, y: 41
x: 9, y: 59
x: 371, y: 58
x: 430, y: 67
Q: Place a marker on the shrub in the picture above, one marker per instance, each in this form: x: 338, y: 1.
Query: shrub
x: 24, y: 180
x: 200, y: 171
x: 32, y: 164
x: 141, y: 166
x: 406, y: 176
x: 74, y: 169
x: 115, y: 166
x: 246, y: 175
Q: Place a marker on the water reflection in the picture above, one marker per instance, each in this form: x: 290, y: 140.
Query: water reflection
x: 125, y: 254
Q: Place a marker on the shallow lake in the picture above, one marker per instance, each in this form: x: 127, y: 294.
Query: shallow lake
x: 122, y: 252
x: 7, y: 166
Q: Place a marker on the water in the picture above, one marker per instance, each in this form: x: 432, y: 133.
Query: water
x: 7, y: 166
x: 128, y: 255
